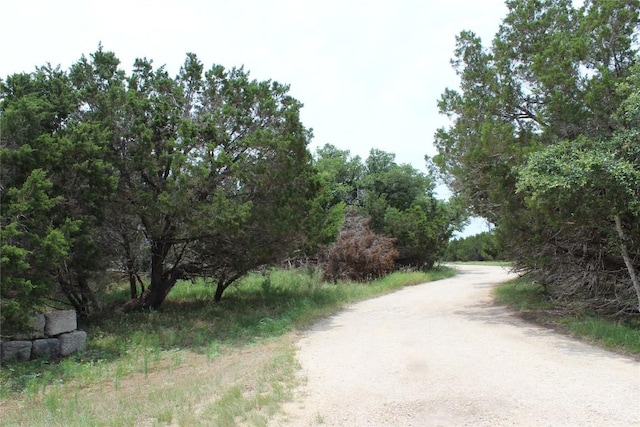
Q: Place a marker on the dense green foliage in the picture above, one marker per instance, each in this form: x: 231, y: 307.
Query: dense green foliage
x: 397, y: 198
x: 205, y: 174
x: 56, y: 183
x: 544, y: 143
x: 159, y: 178
x: 479, y: 247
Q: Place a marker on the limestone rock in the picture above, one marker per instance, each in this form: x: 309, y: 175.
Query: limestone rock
x: 15, y: 350
x: 60, y: 321
x: 73, y: 342
x: 49, y: 347
x: 36, y: 326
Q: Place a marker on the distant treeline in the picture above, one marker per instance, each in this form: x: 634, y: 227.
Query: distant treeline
x: 479, y: 247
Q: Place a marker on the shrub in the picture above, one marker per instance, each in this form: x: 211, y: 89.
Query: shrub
x: 358, y: 253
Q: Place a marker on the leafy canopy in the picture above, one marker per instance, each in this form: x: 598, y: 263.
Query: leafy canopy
x: 542, y: 140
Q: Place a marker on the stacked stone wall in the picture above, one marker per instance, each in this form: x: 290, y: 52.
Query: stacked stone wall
x: 52, y: 335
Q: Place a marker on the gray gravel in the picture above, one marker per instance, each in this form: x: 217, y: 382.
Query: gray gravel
x: 440, y: 354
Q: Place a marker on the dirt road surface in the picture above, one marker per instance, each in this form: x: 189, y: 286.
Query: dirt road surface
x: 441, y: 354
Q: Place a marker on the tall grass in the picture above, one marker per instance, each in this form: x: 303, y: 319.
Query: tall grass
x: 190, y: 361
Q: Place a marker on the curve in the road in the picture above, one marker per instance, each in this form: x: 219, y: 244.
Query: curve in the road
x: 441, y: 354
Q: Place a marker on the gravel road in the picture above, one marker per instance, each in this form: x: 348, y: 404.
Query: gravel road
x: 440, y: 354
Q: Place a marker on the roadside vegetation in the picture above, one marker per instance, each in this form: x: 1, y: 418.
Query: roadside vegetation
x: 191, y: 362
x: 542, y: 142
x: 532, y: 301
x: 479, y: 247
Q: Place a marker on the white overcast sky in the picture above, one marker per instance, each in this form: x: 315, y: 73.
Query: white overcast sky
x: 369, y: 72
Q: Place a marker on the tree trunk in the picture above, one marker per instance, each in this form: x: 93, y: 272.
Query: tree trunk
x: 79, y: 294
x: 161, y: 282
x: 220, y: 288
x: 627, y: 259
x: 223, y: 284
x: 130, y: 265
x: 90, y: 302
x: 133, y: 285
x: 155, y: 295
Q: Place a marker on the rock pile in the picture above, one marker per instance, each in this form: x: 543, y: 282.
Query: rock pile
x: 54, y: 334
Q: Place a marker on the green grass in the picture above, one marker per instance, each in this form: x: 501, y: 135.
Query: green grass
x: 621, y: 335
x: 521, y: 294
x: 136, y: 363
x: 612, y: 334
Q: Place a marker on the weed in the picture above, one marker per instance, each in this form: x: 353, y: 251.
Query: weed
x: 165, y: 416
x: 213, y: 350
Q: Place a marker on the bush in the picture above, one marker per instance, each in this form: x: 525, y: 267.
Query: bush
x: 358, y: 253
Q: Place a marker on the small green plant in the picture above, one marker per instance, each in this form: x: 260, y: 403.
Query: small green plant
x: 117, y: 377
x: 266, y: 284
x: 165, y: 417
x: 213, y: 350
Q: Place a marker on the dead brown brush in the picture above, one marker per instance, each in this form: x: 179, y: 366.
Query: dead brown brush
x: 358, y: 253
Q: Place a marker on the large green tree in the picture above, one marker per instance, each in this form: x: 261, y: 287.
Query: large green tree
x: 55, y: 186
x: 591, y: 189
x: 551, y: 74
x: 214, y: 168
x: 32, y: 248
x: 204, y: 174
x: 401, y: 203
x: 341, y: 173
